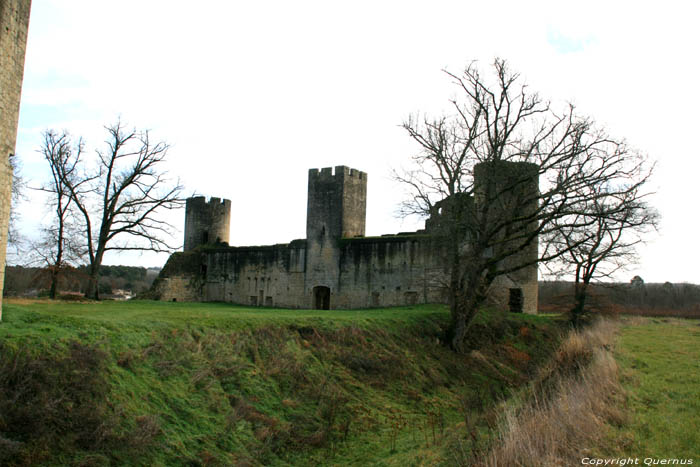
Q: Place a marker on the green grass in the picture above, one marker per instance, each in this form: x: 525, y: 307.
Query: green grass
x: 660, y: 368
x: 215, y: 384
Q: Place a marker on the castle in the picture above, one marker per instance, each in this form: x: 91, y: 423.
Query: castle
x: 336, y: 266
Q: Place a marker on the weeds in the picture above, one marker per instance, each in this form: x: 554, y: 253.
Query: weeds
x: 566, y: 407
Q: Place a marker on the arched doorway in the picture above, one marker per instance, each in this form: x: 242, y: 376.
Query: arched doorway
x: 322, y: 298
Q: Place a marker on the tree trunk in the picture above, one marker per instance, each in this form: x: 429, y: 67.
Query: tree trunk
x: 579, y: 304
x: 468, y: 300
x: 93, y: 282
x: 93, y: 289
x: 53, y: 290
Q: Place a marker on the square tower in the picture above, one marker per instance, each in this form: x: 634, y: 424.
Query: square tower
x: 336, y: 209
x: 337, y: 203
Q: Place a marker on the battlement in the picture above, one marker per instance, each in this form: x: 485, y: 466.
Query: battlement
x: 327, y: 173
x: 337, y: 199
x: 202, y: 201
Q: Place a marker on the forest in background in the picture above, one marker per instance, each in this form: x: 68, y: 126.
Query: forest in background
x: 114, y: 281
x: 635, y: 297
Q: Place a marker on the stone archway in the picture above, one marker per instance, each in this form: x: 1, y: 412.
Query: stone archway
x: 322, y: 297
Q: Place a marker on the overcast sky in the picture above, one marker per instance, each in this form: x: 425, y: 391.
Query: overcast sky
x: 252, y: 94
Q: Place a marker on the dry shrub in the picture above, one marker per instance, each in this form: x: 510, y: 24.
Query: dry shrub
x: 517, y: 357
x: 574, y: 354
x: 554, y: 428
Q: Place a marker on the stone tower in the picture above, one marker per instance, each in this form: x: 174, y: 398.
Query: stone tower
x: 206, y: 222
x: 336, y: 209
x: 511, y: 190
x: 14, y: 22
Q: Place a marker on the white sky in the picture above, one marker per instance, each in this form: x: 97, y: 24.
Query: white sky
x: 252, y: 94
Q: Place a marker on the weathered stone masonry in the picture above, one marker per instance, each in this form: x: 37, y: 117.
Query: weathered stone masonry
x: 206, y: 222
x: 336, y: 266
x: 14, y: 23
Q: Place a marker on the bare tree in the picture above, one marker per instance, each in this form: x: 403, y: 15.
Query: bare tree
x: 121, y: 200
x: 16, y: 242
x: 616, y: 223
x: 496, y: 123
x: 60, y: 244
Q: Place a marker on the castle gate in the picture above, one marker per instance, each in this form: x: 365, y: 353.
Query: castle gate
x: 322, y: 298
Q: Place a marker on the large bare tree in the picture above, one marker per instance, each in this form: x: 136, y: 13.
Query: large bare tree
x: 497, y: 120
x: 120, y: 201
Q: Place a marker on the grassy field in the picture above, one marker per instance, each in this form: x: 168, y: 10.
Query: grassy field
x: 135, y: 321
x: 153, y: 383
x: 659, y: 360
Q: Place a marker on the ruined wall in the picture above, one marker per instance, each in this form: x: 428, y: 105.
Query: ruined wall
x: 206, y: 222
x: 14, y: 22
x: 257, y: 276
x: 371, y: 272
x: 181, y: 279
x: 390, y: 271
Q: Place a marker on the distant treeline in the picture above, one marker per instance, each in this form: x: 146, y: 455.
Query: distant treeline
x: 661, y: 299
x: 29, y: 281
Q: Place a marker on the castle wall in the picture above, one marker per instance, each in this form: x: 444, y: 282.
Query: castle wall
x: 336, y: 267
x: 389, y: 271
x: 14, y: 23
x: 181, y: 280
x: 257, y: 276
x: 374, y: 272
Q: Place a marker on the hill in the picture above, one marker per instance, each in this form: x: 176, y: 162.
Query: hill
x: 152, y: 383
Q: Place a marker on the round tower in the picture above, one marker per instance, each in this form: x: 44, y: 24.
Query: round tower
x: 206, y: 222
x: 508, y: 191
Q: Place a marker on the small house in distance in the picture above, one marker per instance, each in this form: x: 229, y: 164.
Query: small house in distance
x: 335, y: 267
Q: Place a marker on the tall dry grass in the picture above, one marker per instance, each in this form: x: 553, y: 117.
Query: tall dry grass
x: 566, y: 409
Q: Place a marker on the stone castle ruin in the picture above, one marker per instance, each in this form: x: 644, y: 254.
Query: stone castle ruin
x: 336, y: 266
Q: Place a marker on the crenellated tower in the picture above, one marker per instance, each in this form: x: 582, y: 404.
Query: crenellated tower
x: 206, y: 222
x: 337, y: 203
x: 336, y: 209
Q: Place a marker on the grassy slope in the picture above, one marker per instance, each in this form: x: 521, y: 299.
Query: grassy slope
x: 213, y: 384
x: 660, y: 363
